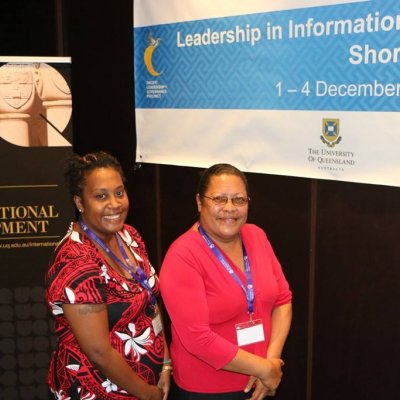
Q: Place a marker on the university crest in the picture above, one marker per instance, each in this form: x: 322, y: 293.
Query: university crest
x: 16, y: 84
x: 330, y: 132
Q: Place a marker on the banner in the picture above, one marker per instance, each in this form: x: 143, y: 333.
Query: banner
x: 35, y: 210
x: 298, y: 88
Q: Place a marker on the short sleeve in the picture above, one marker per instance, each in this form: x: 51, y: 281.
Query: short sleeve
x: 77, y: 276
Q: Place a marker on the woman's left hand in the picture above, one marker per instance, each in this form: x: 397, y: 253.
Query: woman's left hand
x: 164, y: 382
x: 260, y: 391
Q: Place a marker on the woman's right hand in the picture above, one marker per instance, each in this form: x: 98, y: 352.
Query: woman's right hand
x: 271, y: 373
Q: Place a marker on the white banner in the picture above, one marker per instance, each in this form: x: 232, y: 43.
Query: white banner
x: 297, y: 88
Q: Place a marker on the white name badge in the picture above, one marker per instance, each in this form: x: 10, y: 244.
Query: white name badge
x: 157, y: 324
x: 250, y: 332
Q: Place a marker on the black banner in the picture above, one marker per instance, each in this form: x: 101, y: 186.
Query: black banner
x: 35, y: 210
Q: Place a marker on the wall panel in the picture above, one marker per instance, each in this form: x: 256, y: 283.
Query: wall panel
x: 357, y: 292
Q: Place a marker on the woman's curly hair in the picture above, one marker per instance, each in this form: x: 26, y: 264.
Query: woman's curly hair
x: 77, y: 167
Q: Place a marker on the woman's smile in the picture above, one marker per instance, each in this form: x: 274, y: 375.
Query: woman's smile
x: 104, y: 202
x: 223, y: 222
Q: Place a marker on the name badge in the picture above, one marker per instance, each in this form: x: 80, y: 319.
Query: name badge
x: 250, y: 332
x: 157, y: 324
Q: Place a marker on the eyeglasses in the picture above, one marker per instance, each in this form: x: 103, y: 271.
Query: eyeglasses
x: 237, y: 201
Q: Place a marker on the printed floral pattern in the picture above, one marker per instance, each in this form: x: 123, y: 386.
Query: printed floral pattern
x: 136, y: 343
x: 79, y: 274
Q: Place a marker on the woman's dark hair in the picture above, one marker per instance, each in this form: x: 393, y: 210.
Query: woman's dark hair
x: 219, y: 169
x: 77, y: 167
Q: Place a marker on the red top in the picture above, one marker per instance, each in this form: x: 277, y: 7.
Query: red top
x: 205, y: 302
x: 79, y: 274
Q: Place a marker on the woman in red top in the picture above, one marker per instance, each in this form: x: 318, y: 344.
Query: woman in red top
x: 102, y: 290
x: 227, y: 297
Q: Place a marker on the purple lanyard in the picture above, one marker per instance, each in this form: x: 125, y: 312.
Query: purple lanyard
x: 249, y: 291
x: 135, y: 271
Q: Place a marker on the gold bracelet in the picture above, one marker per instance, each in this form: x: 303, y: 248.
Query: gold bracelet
x: 167, y: 368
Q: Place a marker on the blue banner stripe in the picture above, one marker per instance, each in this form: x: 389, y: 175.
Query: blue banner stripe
x: 257, y: 62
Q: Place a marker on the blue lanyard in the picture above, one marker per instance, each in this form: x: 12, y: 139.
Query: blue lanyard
x: 135, y: 271
x: 249, y: 291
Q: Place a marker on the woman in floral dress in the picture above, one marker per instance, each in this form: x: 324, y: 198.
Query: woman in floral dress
x: 102, y: 292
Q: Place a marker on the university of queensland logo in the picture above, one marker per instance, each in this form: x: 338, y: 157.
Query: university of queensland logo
x: 148, y: 55
x: 330, y: 132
